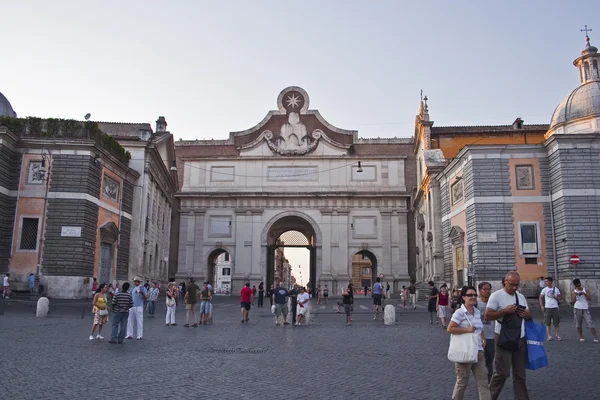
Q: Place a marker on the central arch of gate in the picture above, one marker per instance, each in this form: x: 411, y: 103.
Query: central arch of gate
x: 291, y: 230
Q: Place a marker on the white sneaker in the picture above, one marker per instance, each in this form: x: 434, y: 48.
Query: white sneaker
x: 91, y: 337
x: 99, y: 337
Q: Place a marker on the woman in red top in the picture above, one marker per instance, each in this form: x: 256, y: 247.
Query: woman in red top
x: 443, y: 305
x: 246, y: 299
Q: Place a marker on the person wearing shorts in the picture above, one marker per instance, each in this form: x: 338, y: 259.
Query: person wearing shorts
x: 581, y: 298
x: 190, y: 303
x: 326, y: 293
x: 377, y: 295
x: 549, y: 304
x: 246, y: 299
x: 279, y: 298
x: 205, y: 296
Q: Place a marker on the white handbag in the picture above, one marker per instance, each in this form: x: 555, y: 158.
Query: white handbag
x: 273, y: 308
x: 464, y: 348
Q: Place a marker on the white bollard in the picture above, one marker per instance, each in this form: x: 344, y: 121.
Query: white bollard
x: 43, y: 305
x: 389, y: 315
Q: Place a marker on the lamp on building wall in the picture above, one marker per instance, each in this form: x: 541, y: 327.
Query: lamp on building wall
x: 359, y: 169
x: 174, y: 166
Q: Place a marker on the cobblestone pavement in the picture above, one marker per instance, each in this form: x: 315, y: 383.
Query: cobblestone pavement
x: 51, y: 358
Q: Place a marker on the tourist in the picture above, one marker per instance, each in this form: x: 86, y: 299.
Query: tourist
x: 387, y: 290
x: 485, y: 289
x: 325, y: 293
x: 581, y: 303
x: 405, y: 295
x: 442, y: 305
x: 246, y: 300
x: 377, y: 295
x: 136, y: 314
x: 31, y: 283
x: 294, y: 302
x: 100, y: 311
x: 190, y: 298
x: 412, y: 290
x: 147, y: 285
x: 205, y: 296
x: 467, y: 319
x: 549, y: 304
x: 279, y: 298
x: 110, y: 293
x: 431, y: 306
x: 270, y: 294
x: 541, y: 284
x: 171, y: 302
x: 455, y: 301
x: 507, y: 303
x: 261, y: 293
x: 347, y: 301
x: 6, y: 286
x: 366, y: 290
x: 254, y: 292
x: 94, y: 286
x: 319, y: 294
x: 122, y: 303
x: 303, y: 307
x: 152, y: 298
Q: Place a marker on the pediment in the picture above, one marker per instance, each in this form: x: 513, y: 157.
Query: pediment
x: 109, y: 232
x: 456, y: 231
x: 293, y: 130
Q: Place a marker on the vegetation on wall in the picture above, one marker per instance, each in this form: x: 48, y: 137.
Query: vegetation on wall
x: 65, y: 129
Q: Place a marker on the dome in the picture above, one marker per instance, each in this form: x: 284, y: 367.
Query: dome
x: 6, y: 109
x: 582, y: 102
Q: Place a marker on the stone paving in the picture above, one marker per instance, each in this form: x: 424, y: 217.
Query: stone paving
x: 52, y: 358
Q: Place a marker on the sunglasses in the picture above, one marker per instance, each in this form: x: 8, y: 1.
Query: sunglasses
x: 471, y: 295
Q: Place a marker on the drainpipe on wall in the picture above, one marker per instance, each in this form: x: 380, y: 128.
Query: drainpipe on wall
x: 555, y: 257
x: 47, y: 177
x: 120, y: 219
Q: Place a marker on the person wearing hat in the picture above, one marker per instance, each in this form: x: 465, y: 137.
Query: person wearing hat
x: 136, y: 313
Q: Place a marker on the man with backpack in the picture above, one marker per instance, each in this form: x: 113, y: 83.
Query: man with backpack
x: 509, y: 309
x: 549, y: 298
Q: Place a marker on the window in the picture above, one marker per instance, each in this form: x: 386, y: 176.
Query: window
x: 150, y: 263
x: 456, y: 191
x: 595, y: 69
x: 524, y: 174
x: 153, y: 210
x: 29, y: 234
x: 158, y: 216
x: 34, y: 175
x: 366, y: 271
x: 586, y: 67
x: 531, y: 260
x: 226, y: 256
x: 163, y: 222
x: 529, y: 238
x: 226, y: 271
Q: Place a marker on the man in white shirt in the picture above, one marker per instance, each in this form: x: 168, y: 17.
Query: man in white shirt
x: 6, y: 286
x: 503, y: 303
x: 549, y: 305
x: 302, y: 300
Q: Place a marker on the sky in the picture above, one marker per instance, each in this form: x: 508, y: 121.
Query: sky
x: 213, y: 67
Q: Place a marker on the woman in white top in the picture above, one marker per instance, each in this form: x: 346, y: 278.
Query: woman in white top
x: 467, y: 319
x: 581, y: 303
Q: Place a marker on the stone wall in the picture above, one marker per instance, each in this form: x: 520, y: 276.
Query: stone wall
x: 76, y: 174
x: 63, y: 212
x: 124, y: 243
x: 10, y: 164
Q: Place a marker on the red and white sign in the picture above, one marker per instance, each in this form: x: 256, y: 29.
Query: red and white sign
x: 574, y: 259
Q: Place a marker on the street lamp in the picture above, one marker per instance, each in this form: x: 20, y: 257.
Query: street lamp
x: 359, y: 169
x: 45, y: 171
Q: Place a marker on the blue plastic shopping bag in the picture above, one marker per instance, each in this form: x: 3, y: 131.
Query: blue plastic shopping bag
x: 536, y: 354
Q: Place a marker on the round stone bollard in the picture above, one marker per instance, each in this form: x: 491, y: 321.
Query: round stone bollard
x: 43, y: 305
x: 389, y: 315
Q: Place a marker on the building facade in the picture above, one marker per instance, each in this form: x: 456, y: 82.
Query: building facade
x: 295, y: 172
x: 527, y: 206
x: 152, y: 157
x: 66, y: 208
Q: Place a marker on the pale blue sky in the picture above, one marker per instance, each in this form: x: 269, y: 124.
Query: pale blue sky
x: 215, y: 67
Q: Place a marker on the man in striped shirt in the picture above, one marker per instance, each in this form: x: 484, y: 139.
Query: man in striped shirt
x: 121, y: 302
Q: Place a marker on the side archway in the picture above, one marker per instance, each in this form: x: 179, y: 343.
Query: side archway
x: 364, y: 271
x: 219, y: 270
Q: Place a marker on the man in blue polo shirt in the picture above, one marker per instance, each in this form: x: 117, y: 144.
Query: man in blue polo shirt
x: 377, y: 295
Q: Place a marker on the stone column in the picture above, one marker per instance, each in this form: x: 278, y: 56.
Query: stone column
x: 438, y: 243
x: 386, y: 242
x: 199, y: 264
x: 186, y: 245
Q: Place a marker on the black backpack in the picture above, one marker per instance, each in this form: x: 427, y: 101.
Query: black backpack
x: 510, y: 331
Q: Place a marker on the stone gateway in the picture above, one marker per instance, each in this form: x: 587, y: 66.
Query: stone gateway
x: 296, y: 176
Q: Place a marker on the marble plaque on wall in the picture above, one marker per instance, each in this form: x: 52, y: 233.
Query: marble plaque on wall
x: 297, y: 174
x: 222, y: 174
x: 219, y: 226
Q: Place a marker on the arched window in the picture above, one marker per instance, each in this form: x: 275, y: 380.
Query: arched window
x: 595, y: 69
x: 586, y: 66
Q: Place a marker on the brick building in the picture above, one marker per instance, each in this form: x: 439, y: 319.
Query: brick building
x: 65, y: 204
